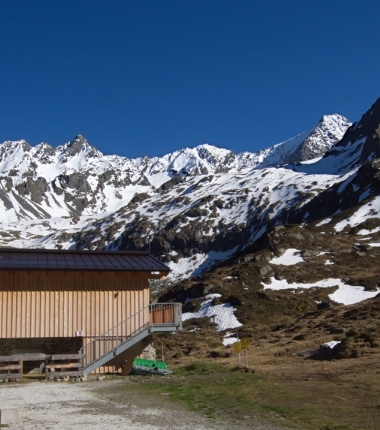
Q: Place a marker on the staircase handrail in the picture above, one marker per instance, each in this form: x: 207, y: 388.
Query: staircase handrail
x: 117, y: 336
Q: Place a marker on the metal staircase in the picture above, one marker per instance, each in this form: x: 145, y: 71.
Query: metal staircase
x: 158, y: 318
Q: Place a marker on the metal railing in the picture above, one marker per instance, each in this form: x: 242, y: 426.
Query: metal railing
x: 152, y: 318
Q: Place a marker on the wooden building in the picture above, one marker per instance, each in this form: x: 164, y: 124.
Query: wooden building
x: 95, y: 302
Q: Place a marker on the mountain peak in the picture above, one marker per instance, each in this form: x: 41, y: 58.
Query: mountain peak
x: 332, y: 116
x: 361, y: 142
x: 77, y: 145
x: 79, y: 139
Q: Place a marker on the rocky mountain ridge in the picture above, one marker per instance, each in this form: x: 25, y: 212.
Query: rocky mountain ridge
x: 192, y: 208
x: 77, y: 179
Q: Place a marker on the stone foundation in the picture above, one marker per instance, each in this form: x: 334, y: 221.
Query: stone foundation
x: 149, y: 353
x: 43, y: 345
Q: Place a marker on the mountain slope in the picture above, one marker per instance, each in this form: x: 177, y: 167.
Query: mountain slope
x: 192, y: 208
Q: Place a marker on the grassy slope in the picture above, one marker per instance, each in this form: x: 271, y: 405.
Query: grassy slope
x: 326, y: 397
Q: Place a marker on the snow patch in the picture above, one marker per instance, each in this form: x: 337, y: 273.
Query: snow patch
x: 229, y: 340
x: 332, y: 343
x: 368, y: 210
x: 365, y: 232
x: 325, y: 221
x: 345, y: 294
x: 289, y: 258
x: 222, y: 315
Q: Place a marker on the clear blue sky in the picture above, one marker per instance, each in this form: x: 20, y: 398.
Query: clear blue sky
x: 146, y: 77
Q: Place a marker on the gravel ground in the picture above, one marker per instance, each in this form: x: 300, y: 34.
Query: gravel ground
x: 97, y: 405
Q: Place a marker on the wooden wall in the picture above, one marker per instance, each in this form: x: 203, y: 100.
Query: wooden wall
x: 57, y: 303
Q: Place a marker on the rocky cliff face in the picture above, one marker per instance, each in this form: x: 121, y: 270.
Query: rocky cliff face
x: 329, y: 130
x: 306, y: 146
x: 361, y: 141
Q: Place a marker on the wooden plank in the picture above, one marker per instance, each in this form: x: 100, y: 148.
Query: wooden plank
x: 98, y: 312
x: 11, y: 375
x: 63, y: 322
x: 13, y: 315
x: 62, y: 366
x: 8, y: 358
x: 20, y: 306
x: 28, y: 310
x: 87, y: 310
x: 93, y: 317
x: 11, y: 367
x: 60, y: 321
x: 30, y: 356
x: 51, y: 316
x: 40, y: 326
x: 3, y: 302
x: 35, y: 315
x: 70, y: 311
x: 63, y: 374
x: 66, y: 357
x: 79, y: 322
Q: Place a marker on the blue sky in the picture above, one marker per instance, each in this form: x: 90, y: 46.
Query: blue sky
x: 148, y: 77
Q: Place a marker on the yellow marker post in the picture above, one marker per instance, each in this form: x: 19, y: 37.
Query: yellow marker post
x: 245, y: 342
x: 237, y: 347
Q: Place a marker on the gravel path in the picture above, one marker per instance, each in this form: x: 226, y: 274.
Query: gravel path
x: 97, y: 405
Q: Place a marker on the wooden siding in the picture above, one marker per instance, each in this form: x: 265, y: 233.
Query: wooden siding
x: 22, y: 280
x: 57, y: 304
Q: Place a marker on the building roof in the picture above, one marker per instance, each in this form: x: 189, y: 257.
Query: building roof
x: 57, y: 259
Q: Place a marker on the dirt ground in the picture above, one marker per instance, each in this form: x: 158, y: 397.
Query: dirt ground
x: 97, y: 405
x: 337, y: 394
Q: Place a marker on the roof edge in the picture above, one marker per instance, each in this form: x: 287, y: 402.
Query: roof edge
x: 75, y: 251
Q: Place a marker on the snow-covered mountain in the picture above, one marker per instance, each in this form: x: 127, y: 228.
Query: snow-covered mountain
x: 309, y: 145
x: 192, y: 208
x: 76, y: 179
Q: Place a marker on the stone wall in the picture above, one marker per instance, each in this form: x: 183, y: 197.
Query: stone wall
x: 43, y: 345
